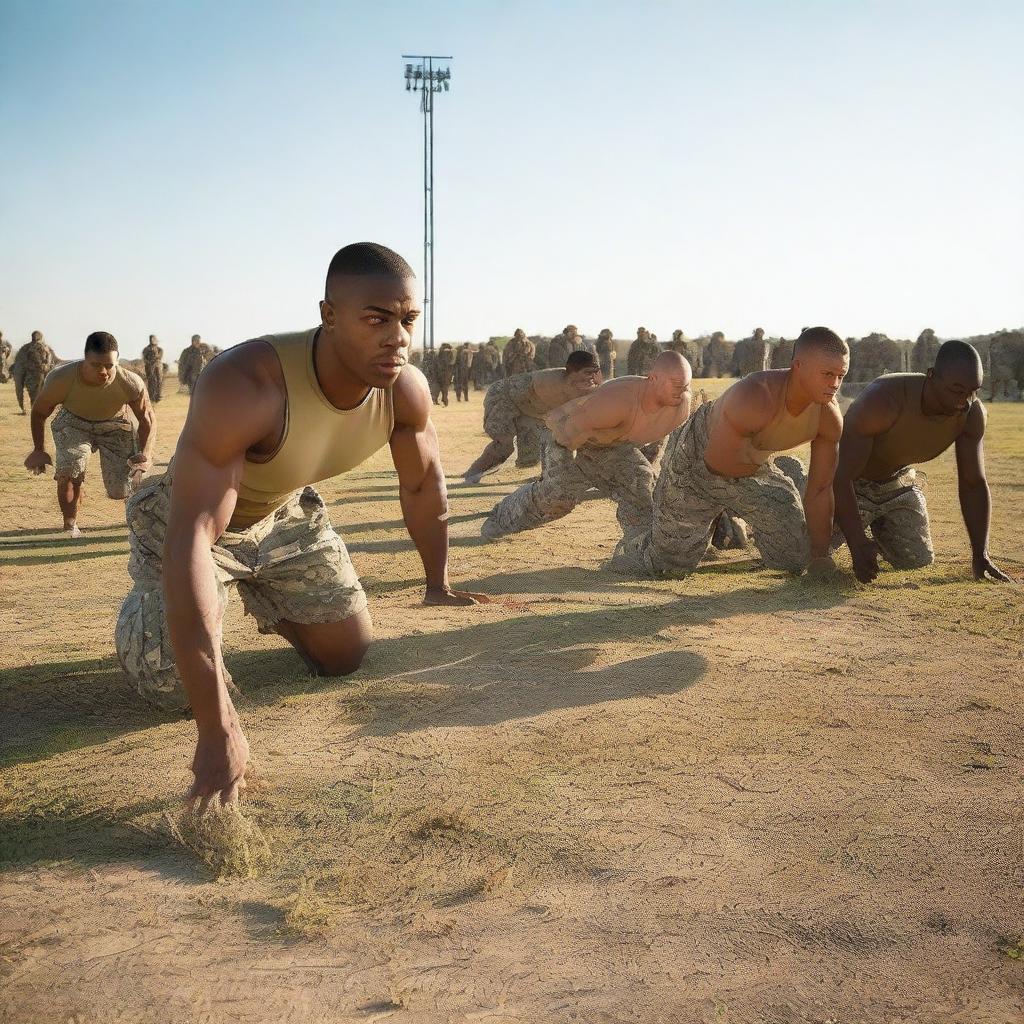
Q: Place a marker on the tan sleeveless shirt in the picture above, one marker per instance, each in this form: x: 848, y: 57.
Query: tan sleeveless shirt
x: 319, y: 440
x: 914, y: 437
x: 785, y: 432
x: 96, y: 402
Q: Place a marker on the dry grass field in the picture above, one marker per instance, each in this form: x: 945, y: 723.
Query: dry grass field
x: 735, y: 799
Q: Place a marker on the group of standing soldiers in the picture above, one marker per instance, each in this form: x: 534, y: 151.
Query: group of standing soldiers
x: 190, y: 365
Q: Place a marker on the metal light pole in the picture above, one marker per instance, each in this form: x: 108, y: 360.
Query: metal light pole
x: 428, y: 79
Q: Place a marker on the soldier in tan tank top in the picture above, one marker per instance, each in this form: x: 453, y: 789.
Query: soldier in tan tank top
x: 268, y: 419
x: 95, y: 394
x: 900, y: 420
x: 720, y: 462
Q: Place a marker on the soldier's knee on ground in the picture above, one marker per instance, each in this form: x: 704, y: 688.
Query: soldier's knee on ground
x: 794, y: 469
x: 794, y: 558
x: 145, y: 652
x: 339, y: 663
x: 910, y: 558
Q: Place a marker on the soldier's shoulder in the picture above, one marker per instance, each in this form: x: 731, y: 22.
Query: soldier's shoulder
x: 135, y: 382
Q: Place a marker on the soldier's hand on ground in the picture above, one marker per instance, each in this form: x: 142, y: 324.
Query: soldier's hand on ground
x: 453, y: 598
x: 37, y: 462
x: 219, y: 766
x: 983, y: 569
x: 822, y: 568
x: 865, y: 561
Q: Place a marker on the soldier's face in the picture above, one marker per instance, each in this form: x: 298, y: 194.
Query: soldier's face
x: 369, y: 320
x: 99, y: 367
x: 582, y: 381
x: 821, y: 374
x: 670, y: 388
x: 956, y: 388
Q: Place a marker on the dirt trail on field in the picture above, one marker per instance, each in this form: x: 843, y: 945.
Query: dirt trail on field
x: 736, y: 798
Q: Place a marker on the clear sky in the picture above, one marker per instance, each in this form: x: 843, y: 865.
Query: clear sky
x: 176, y: 167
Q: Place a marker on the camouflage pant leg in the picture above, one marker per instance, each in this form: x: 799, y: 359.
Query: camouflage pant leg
x: 531, y: 438
x: 622, y: 473
x: 553, y: 495
x: 75, y: 439
x: 307, y: 577
x: 33, y: 382
x: 897, y: 515
x: 18, y: 375
x: 770, y: 503
x: 155, y: 385
x: 652, y: 452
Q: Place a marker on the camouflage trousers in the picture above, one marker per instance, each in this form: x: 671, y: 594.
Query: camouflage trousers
x: 506, y: 425
x: 896, y: 513
x: 620, y: 472
x: 25, y: 381
x: 291, y: 565
x: 155, y: 385
x: 689, y: 498
x: 76, y: 439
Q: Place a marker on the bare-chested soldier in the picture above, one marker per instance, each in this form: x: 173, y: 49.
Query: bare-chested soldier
x: 514, y: 410
x: 268, y: 419
x: 597, y: 441
x: 93, y: 393
x: 898, y: 420
x: 721, y: 461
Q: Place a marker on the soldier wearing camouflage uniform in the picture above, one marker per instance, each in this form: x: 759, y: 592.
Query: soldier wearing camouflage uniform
x: 153, y: 361
x: 6, y: 355
x: 270, y: 418
x: 642, y: 353
x: 191, y: 363
x: 720, y: 461
x: 562, y: 344
x: 94, y: 394
x: 518, y: 355
x: 430, y: 372
x: 605, y: 348
x: 462, y: 360
x: 478, y: 369
x: 32, y: 362
x: 445, y: 370
x: 898, y: 420
x: 514, y: 409
x: 596, y: 442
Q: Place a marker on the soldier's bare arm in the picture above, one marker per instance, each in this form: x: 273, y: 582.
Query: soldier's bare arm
x: 421, y: 486
x: 51, y: 394
x: 234, y: 407
x: 874, y: 413
x: 975, y: 497
x: 746, y: 408
x: 818, y: 498
x: 595, y: 417
x: 142, y: 407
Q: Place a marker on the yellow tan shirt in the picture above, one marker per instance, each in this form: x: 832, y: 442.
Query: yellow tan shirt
x: 94, y: 402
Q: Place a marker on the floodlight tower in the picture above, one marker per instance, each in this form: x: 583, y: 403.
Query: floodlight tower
x: 428, y: 79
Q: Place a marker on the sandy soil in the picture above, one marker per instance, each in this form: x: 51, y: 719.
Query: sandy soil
x: 736, y: 798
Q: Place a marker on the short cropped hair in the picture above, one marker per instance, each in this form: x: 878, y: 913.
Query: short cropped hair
x: 360, y: 259
x: 956, y: 353
x: 822, y: 339
x: 581, y: 359
x: 101, y: 343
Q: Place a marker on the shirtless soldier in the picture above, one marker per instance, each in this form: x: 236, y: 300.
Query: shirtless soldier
x: 900, y: 419
x: 93, y: 394
x: 597, y: 441
x: 514, y: 409
x: 720, y: 461
x: 268, y: 419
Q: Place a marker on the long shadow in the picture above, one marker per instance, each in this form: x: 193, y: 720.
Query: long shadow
x: 406, y: 544
x: 59, y: 556
x: 87, y: 539
x: 392, y: 524
x: 56, y: 532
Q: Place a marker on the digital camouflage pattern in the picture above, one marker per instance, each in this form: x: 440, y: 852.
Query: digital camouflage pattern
x: 445, y: 370
x: 32, y: 363
x: 75, y: 439
x: 190, y: 365
x: 291, y: 565
x: 562, y: 344
x: 461, y: 377
x: 153, y: 363
x: 689, y: 498
x: 6, y: 357
x: 619, y: 472
x: 518, y: 355
x: 642, y: 353
x: 896, y: 514
x: 508, y: 426
x: 605, y: 349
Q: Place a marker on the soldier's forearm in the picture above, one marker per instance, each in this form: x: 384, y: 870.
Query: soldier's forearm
x: 425, y: 512
x: 194, y: 624
x: 147, y: 435
x: 819, y: 509
x: 38, y: 425
x: 976, y: 507
x: 847, y: 514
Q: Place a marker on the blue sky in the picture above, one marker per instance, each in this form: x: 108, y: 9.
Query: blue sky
x: 184, y: 167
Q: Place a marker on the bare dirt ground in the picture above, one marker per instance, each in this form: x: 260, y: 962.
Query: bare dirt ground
x: 736, y: 798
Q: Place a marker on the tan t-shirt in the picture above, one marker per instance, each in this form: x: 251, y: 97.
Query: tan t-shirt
x: 319, y: 440
x: 94, y: 402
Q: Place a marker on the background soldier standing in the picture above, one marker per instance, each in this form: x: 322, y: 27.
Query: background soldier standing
x: 518, y: 355
x: 191, y: 363
x: 445, y: 369
x: 462, y: 360
x: 642, y: 353
x: 31, y: 365
x: 605, y: 348
x: 6, y: 354
x: 153, y: 359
